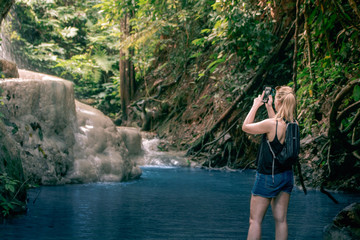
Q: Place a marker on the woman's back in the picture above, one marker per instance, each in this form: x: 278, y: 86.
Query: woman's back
x: 278, y: 131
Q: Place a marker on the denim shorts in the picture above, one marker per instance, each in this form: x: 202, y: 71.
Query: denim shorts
x: 268, y: 187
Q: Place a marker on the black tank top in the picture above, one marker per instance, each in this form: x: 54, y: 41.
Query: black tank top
x: 264, y: 158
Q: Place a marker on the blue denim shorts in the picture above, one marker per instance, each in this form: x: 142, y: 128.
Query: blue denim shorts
x: 268, y: 187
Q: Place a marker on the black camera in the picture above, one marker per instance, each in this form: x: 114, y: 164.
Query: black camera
x: 267, y: 92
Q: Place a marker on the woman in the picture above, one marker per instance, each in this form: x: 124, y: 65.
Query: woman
x: 273, y: 183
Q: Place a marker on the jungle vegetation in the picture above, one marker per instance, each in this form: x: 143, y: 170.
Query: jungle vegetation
x: 189, y: 70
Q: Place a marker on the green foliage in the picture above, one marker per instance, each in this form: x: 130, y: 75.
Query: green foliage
x: 8, y: 188
x: 81, y: 42
x: 335, y: 61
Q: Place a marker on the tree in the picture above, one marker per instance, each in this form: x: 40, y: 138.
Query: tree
x: 126, y: 68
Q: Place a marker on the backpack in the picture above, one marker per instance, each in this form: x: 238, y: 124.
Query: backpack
x: 290, y: 152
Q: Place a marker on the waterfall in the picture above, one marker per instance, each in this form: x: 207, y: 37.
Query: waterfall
x: 153, y: 156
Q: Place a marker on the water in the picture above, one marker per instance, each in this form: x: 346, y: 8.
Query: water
x: 165, y: 203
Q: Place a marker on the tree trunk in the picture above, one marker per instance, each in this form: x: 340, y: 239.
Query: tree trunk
x: 5, y: 6
x: 308, y: 39
x: 132, y: 86
x: 296, y: 45
x: 124, y: 74
x: 127, y: 70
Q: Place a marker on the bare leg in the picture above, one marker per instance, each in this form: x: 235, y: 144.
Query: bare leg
x: 279, y: 206
x: 258, y: 207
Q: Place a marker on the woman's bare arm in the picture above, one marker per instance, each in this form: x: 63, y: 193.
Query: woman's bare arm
x: 256, y: 128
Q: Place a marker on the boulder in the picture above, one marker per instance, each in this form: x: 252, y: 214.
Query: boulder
x: 102, y: 152
x: 62, y: 140
x: 345, y: 225
x: 8, y: 69
x: 40, y: 116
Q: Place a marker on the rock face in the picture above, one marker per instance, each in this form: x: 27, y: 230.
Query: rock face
x: 62, y: 141
x: 346, y: 225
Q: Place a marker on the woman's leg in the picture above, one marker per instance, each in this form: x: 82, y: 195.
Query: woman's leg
x: 258, y: 207
x: 279, y: 206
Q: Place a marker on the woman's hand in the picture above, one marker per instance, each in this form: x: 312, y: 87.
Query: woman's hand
x: 270, y: 101
x: 269, y: 107
x: 258, y: 101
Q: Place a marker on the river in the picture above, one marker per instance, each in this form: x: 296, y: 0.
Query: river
x: 167, y: 202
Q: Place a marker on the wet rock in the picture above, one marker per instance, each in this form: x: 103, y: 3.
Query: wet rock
x: 8, y: 69
x: 62, y: 141
x: 132, y: 139
x: 102, y: 152
x: 345, y: 225
x: 39, y: 112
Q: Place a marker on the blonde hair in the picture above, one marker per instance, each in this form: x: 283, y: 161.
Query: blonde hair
x: 286, y: 97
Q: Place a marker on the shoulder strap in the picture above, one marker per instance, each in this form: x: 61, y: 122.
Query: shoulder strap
x: 272, y: 152
x: 273, y: 161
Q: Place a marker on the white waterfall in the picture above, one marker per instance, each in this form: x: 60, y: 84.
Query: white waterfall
x: 153, y: 156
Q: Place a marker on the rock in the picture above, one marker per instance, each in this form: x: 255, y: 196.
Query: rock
x: 8, y: 69
x: 345, y: 225
x: 102, y: 153
x: 132, y: 139
x: 62, y: 141
x: 40, y: 116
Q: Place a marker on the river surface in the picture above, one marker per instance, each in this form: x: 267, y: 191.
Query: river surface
x: 165, y: 203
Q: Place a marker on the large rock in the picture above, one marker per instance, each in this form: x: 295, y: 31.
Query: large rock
x: 62, y: 142
x: 102, y: 152
x: 8, y: 69
x: 346, y: 224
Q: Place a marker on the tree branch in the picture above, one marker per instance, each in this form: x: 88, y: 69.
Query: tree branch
x: 352, y: 124
x: 347, y: 110
x: 333, y: 128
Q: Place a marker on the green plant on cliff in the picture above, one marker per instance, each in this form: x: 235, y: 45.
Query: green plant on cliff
x: 9, y: 188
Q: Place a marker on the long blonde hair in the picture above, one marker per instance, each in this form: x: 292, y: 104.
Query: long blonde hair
x: 286, y: 97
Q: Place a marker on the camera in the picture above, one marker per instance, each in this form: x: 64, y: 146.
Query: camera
x: 267, y: 92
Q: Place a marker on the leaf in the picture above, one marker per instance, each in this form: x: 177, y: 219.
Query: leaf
x: 212, y: 66
x: 103, y: 62
x: 356, y: 93
x: 198, y: 42
x: 69, y: 32
x: 10, y: 187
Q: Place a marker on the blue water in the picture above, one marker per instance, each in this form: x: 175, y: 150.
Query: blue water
x: 165, y: 203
